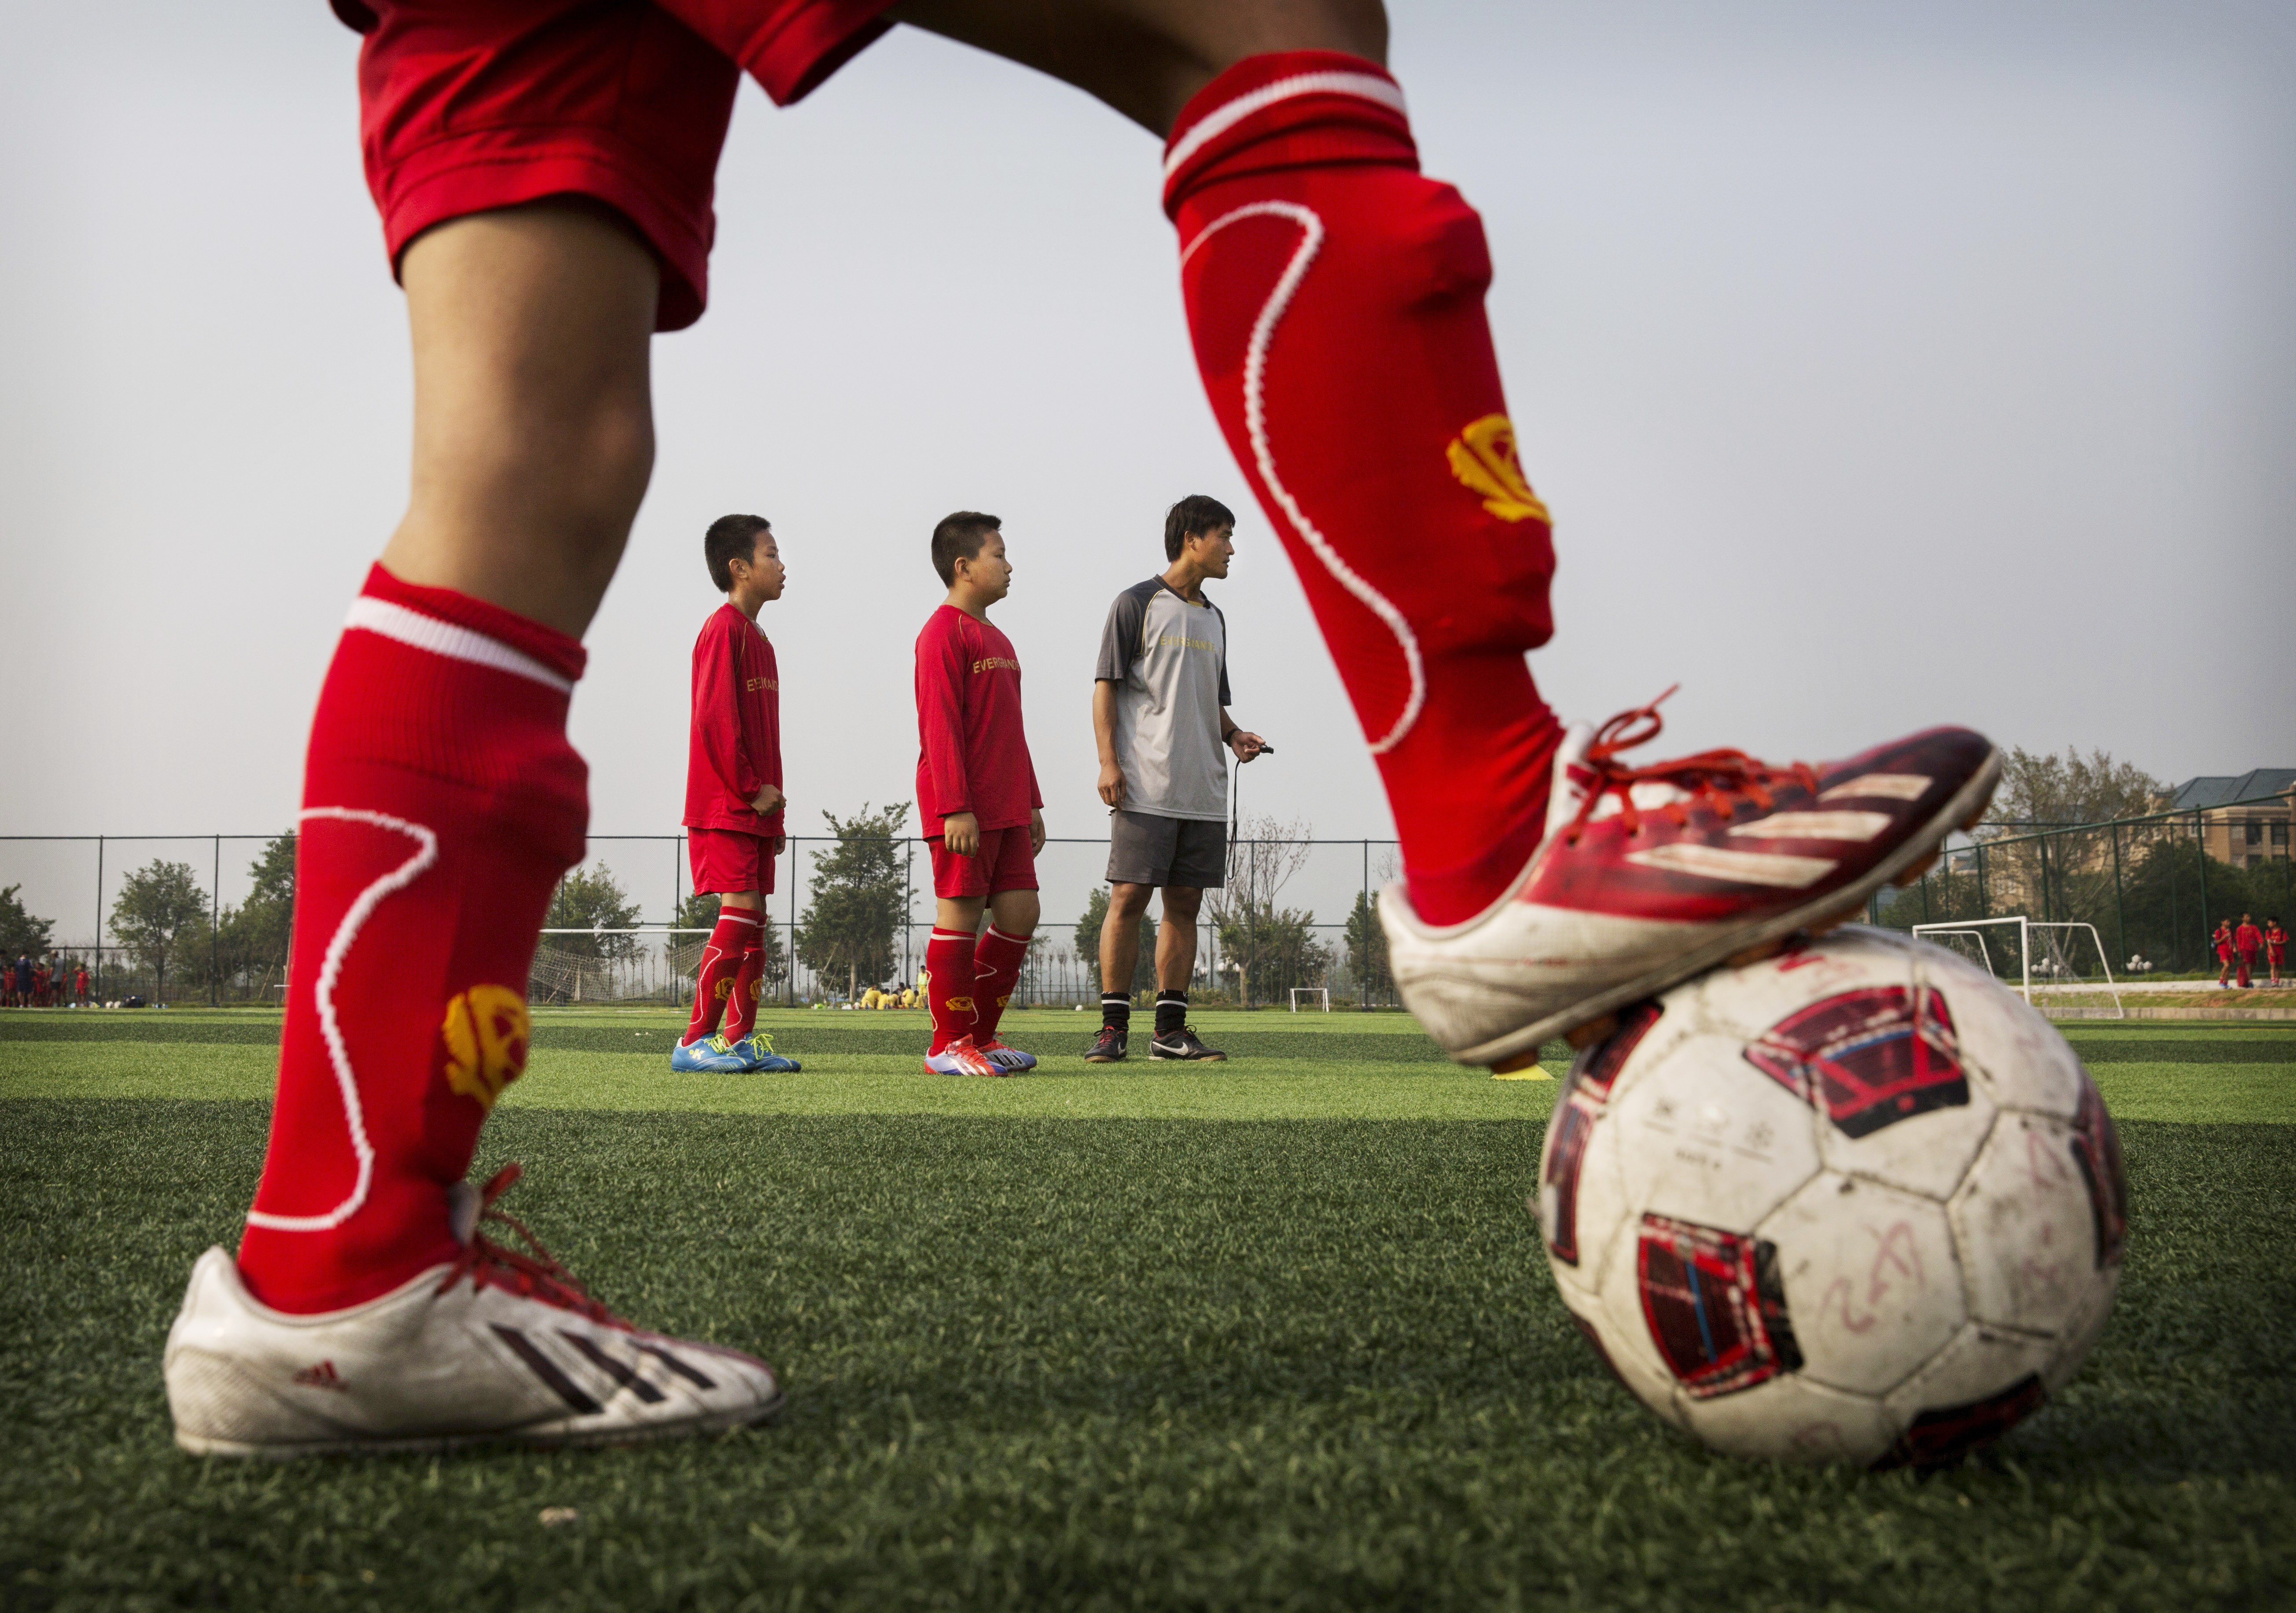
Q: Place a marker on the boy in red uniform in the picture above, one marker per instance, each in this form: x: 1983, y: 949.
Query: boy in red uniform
x: 2275, y: 946
x: 2222, y: 942
x: 977, y: 797
x: 733, y: 796
x: 79, y: 986
x: 2248, y: 940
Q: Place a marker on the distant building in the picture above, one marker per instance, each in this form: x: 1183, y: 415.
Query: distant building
x: 2241, y: 835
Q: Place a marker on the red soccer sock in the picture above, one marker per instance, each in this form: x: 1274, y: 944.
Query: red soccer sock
x: 441, y: 804
x: 722, y: 958
x: 741, y: 1007
x: 948, y: 960
x: 995, y: 973
x: 1336, y: 300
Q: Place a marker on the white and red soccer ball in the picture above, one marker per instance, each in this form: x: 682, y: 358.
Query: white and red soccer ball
x: 1858, y: 1202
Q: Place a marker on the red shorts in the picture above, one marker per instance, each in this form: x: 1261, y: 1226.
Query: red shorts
x: 730, y: 860
x: 1005, y: 861
x: 471, y: 104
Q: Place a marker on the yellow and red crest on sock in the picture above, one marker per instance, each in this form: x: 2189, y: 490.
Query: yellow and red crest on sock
x: 486, y: 1034
x: 962, y: 1005
x: 1483, y: 458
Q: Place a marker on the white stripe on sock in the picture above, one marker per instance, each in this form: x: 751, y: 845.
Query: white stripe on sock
x: 428, y: 632
x: 337, y: 948
x: 1365, y: 85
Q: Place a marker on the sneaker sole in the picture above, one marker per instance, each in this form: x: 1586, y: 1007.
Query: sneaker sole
x: 431, y: 1444
x: 1187, y: 1058
x: 1963, y: 810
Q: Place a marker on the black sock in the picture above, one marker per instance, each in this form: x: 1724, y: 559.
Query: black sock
x: 1171, y: 1012
x: 1116, y: 1011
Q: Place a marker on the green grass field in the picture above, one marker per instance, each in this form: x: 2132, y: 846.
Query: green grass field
x: 1275, y: 1334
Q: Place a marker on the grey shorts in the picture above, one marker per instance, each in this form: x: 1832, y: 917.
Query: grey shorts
x: 1146, y: 849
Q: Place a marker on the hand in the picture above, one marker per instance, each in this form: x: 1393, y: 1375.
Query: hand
x: 1035, y: 829
x: 961, y: 833
x: 1111, y: 784
x: 767, y: 800
x: 776, y: 844
x: 1245, y: 745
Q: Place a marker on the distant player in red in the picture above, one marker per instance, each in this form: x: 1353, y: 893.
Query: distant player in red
x: 2246, y: 941
x: 2222, y: 942
x: 733, y: 796
x: 79, y: 987
x: 2275, y: 946
x: 978, y: 798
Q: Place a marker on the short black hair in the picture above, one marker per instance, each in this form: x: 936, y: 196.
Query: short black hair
x: 1192, y: 517
x: 959, y: 537
x: 731, y: 537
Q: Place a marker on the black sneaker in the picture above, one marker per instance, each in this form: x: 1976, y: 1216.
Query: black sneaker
x: 1182, y: 1044
x: 1108, y: 1047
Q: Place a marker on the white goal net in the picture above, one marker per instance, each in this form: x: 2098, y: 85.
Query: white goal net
x: 1316, y: 996
x: 2059, y: 968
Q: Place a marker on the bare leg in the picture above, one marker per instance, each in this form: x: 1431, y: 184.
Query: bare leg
x: 533, y: 419
x: 1119, y: 937
x: 1145, y: 58
x: 1176, y: 939
x: 1015, y: 912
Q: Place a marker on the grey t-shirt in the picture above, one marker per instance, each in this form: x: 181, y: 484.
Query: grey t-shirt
x: 1168, y: 661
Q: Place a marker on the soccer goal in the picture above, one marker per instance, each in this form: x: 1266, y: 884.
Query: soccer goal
x: 2061, y: 966
x: 1314, y: 994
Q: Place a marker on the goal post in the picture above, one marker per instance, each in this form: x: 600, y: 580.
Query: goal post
x: 1317, y: 994
x: 2050, y: 958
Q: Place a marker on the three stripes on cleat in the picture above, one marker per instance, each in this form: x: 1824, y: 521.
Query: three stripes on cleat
x: 554, y: 1377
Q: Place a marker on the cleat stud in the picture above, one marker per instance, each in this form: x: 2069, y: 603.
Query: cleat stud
x: 1521, y: 1060
x: 1581, y: 1037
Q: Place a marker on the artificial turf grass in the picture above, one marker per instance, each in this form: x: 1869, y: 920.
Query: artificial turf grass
x: 1114, y: 1363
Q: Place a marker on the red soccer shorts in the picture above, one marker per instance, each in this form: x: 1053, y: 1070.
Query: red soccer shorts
x: 1006, y: 861
x: 471, y: 104
x: 730, y: 860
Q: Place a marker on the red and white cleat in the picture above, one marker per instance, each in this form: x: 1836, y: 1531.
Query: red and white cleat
x: 496, y: 1346
x: 1649, y: 875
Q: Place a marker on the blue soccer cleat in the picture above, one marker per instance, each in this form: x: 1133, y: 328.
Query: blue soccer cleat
x: 712, y: 1053
x: 960, y: 1058
x: 757, y: 1048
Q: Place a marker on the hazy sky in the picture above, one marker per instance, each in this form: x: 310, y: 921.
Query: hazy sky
x: 1883, y: 364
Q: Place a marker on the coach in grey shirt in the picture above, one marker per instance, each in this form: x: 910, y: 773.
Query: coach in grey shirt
x: 1159, y: 714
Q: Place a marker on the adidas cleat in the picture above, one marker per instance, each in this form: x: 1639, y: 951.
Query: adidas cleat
x: 1183, y: 1044
x: 960, y: 1058
x: 1648, y: 876
x: 496, y: 1346
x: 713, y: 1054
x: 1005, y: 1057
x: 757, y: 1051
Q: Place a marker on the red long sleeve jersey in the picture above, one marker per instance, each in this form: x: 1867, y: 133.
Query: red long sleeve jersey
x: 972, y: 755
x: 736, y: 745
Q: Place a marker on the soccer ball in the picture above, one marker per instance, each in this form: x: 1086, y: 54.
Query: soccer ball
x: 1857, y: 1202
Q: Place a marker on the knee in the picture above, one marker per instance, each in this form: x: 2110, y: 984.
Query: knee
x: 1127, y: 901
x: 1181, y: 906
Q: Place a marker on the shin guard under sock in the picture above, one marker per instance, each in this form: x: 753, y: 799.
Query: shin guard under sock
x: 721, y: 964
x: 949, y: 962
x: 1335, y: 298
x: 995, y: 974
x: 441, y: 804
x: 741, y: 1005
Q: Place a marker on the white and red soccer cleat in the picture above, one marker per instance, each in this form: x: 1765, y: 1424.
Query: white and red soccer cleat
x: 1647, y: 876
x: 496, y: 1346
x: 962, y: 1058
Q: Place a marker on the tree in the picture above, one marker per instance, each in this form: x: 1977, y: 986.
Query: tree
x: 592, y: 900
x: 20, y: 931
x: 159, y: 908
x: 2073, y: 788
x: 1367, y: 948
x: 1258, y: 939
x: 1088, y: 943
x: 858, y: 897
x: 256, y: 935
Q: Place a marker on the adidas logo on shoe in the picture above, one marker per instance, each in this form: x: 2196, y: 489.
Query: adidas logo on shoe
x: 323, y: 1376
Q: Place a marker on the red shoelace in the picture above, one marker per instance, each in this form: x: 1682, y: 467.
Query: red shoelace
x: 533, y: 1275
x: 1711, y: 778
